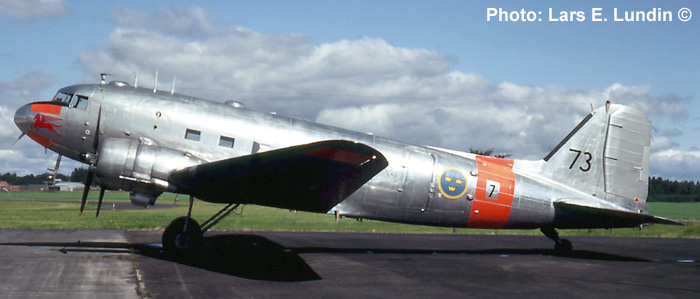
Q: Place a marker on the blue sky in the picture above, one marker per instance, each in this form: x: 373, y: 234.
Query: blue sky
x: 402, y: 69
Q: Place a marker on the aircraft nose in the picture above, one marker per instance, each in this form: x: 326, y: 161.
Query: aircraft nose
x: 23, y: 118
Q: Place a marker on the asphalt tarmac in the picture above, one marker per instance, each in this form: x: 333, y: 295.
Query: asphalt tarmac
x: 119, y: 264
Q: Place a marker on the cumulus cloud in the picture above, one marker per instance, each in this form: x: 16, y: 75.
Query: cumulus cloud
x: 16, y: 93
x: 640, y: 98
x: 180, y: 21
x: 365, y: 84
x: 30, y: 9
x: 676, y: 164
x: 23, y: 158
x: 26, y: 87
x: 664, y: 140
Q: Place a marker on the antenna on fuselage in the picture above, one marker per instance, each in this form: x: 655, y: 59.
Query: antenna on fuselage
x: 155, y: 84
x: 136, y: 79
x: 172, y: 90
x: 103, y: 78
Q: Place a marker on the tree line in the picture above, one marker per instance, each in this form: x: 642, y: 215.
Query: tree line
x: 78, y: 175
x: 660, y: 190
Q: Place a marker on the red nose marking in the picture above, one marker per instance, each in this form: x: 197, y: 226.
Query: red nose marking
x: 42, y: 121
x: 47, y: 108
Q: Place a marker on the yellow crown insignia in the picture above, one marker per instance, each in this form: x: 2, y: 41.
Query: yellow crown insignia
x: 458, y: 181
x: 451, y: 188
x: 448, y: 179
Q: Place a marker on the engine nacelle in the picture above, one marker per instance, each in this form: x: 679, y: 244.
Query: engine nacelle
x: 139, y: 166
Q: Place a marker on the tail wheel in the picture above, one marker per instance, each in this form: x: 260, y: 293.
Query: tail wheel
x: 179, y: 241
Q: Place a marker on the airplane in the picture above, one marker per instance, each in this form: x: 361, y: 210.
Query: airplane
x: 149, y: 141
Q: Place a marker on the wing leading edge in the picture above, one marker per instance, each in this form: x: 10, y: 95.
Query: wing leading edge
x: 312, y: 177
x: 573, y: 215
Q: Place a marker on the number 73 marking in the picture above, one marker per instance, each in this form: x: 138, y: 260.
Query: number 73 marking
x: 578, y: 154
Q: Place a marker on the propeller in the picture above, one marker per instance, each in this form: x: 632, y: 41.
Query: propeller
x: 96, y: 140
x: 18, y: 138
x: 99, y: 201
x: 91, y: 172
x: 55, y: 168
x: 86, y: 190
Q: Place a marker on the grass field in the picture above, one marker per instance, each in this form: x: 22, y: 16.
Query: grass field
x: 59, y: 210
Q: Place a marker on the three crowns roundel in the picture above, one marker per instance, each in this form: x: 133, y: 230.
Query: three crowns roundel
x: 452, y: 183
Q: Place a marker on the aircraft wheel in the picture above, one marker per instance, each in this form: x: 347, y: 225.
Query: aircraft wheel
x: 178, y: 243
x: 564, y: 247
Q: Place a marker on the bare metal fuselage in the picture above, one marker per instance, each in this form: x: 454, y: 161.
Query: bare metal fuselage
x: 421, y: 185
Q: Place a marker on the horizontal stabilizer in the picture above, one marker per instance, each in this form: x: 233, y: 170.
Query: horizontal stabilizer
x: 312, y: 177
x: 569, y: 214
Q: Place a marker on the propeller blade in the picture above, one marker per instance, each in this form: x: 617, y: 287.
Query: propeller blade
x: 86, y: 190
x: 18, y: 138
x: 55, y: 168
x: 96, y: 140
x: 58, y: 163
x: 99, y: 201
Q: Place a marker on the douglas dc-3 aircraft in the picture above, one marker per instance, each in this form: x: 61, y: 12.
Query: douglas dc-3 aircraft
x: 148, y: 141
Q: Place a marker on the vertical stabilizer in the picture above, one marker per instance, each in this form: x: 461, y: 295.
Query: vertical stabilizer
x: 606, y: 155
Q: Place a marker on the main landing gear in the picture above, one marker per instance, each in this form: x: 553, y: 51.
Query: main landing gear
x: 184, y: 235
x: 561, y: 246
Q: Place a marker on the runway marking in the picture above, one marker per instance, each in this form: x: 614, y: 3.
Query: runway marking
x: 182, y: 281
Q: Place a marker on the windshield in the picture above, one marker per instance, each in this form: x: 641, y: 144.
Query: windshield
x: 71, y: 100
x: 62, y: 97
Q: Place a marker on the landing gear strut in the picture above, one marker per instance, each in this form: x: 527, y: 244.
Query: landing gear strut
x: 183, y: 236
x: 561, y: 246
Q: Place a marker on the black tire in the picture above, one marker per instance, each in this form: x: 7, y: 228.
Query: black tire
x: 564, y: 247
x: 179, y: 244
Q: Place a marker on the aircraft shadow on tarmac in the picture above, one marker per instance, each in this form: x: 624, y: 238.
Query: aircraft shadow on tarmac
x: 256, y: 257
x: 247, y: 256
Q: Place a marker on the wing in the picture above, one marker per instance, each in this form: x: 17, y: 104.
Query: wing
x: 312, y: 177
x: 568, y: 214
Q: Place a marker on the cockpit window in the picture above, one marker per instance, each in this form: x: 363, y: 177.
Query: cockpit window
x: 71, y: 100
x: 79, y: 102
x: 62, y: 97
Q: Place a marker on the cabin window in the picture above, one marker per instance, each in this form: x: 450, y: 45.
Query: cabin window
x: 259, y: 148
x: 192, y: 134
x: 226, y: 141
